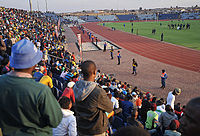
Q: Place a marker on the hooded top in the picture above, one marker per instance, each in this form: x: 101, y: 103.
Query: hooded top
x: 166, y: 118
x: 67, y: 126
x: 82, y: 89
x: 91, y: 104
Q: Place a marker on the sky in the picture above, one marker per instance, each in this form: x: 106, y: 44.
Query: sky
x: 64, y: 6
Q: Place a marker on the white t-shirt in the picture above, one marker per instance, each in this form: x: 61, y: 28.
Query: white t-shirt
x: 171, y: 99
x: 160, y: 109
x: 115, y: 102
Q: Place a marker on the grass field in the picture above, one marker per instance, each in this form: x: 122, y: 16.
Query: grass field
x: 185, y: 37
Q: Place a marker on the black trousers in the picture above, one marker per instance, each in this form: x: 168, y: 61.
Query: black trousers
x: 118, y: 60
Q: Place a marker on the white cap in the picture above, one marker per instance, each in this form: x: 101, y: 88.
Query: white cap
x: 70, y: 84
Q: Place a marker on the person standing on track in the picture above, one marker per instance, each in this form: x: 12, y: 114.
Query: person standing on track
x: 163, y: 79
x: 96, y: 40
x: 118, y: 57
x: 104, y: 47
x: 111, y: 52
x: 134, y: 64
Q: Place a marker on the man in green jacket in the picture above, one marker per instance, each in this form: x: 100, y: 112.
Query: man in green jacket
x: 26, y: 107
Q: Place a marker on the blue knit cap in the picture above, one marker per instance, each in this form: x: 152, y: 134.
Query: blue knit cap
x: 24, y: 55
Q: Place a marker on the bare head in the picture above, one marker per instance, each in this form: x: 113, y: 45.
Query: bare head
x: 88, y: 70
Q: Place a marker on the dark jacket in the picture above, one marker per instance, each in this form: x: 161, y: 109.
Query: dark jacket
x: 166, y: 118
x: 2, y: 45
x: 132, y: 122
x: 91, y: 105
x: 127, y: 107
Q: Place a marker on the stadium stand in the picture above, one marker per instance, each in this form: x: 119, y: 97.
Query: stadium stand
x: 73, y: 19
x: 53, y: 16
x: 108, y: 17
x: 90, y: 18
x: 168, y: 16
x: 127, y: 100
x: 190, y: 16
x: 126, y: 17
x: 147, y: 16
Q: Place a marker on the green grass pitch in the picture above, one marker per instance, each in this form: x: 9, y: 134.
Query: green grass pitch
x: 185, y: 37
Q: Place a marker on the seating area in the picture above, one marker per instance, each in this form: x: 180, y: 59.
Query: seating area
x: 74, y: 19
x: 190, y: 16
x: 146, y: 17
x: 130, y: 17
x: 108, y: 18
x: 53, y: 16
x: 126, y: 17
x: 168, y: 16
x: 90, y: 18
x: 32, y: 109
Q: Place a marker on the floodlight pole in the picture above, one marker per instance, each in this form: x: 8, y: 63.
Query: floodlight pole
x: 30, y: 4
x: 38, y: 6
x: 46, y: 5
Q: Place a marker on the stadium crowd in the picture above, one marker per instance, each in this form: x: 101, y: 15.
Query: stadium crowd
x: 74, y: 98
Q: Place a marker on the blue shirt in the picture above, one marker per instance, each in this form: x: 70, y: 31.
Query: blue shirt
x: 38, y: 76
x: 127, y: 108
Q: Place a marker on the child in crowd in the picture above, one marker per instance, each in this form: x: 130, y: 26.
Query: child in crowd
x: 68, y: 124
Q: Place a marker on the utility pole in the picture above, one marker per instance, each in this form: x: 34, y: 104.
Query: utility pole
x: 30, y: 3
x: 38, y: 6
x: 46, y: 6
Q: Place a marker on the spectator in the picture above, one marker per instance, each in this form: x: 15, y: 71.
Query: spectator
x: 73, y: 57
x: 171, y: 97
x: 38, y: 75
x: 2, y: 45
x: 68, y: 92
x: 152, y: 118
x: 8, y: 43
x: 64, y: 73
x: 47, y: 80
x: 69, y: 75
x: 4, y: 67
x: 68, y: 124
x: 174, y: 125
x: 138, y: 102
x: 131, y: 131
x: 98, y: 75
x: 115, y: 102
x: 127, y: 107
x: 146, y: 106
x: 134, y: 97
x: 132, y: 121
x: 31, y: 108
x: 166, y: 117
x: 56, y: 71
x: 45, y: 54
x: 190, y: 122
x: 160, y: 107
x: 91, y: 103
x: 178, y: 110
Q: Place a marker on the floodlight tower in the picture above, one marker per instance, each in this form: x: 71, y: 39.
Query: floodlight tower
x: 46, y: 6
x: 38, y: 6
x: 30, y: 3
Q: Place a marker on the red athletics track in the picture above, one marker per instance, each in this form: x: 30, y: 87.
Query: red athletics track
x: 164, y: 52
